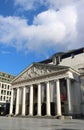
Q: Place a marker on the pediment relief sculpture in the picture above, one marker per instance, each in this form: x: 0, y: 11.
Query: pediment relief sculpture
x: 36, y: 70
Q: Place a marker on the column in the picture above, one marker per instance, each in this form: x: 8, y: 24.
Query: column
x: 58, y: 98
x: 31, y: 101
x: 48, y: 99
x: 17, y: 101
x: 39, y: 100
x: 11, y: 102
x: 69, y: 96
x: 24, y: 101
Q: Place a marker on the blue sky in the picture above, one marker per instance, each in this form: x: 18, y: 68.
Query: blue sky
x: 32, y: 30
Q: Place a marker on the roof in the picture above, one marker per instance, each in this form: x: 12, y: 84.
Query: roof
x: 5, y: 77
x: 72, y: 52
x: 37, y: 70
x: 63, y: 55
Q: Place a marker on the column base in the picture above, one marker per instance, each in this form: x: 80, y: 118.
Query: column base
x: 30, y: 115
x: 16, y: 114
x: 60, y: 117
x: 23, y: 115
x: 38, y: 115
x: 47, y: 116
x: 10, y: 115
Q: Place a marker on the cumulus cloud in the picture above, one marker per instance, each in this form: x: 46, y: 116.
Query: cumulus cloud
x: 50, y: 29
x: 28, y: 4
x: 33, y: 4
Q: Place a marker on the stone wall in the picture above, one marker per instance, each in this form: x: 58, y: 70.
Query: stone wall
x: 75, y: 62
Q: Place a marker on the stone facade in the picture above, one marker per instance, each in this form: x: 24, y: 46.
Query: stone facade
x: 5, y: 90
x: 53, y: 87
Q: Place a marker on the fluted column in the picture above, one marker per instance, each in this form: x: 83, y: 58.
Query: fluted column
x: 11, y: 102
x: 58, y: 98
x: 69, y: 96
x: 31, y: 101
x: 23, y: 101
x: 39, y: 100
x: 48, y: 99
x: 17, y: 101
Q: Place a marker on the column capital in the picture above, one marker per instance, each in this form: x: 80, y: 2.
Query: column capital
x: 55, y: 80
x: 46, y: 82
x: 38, y: 83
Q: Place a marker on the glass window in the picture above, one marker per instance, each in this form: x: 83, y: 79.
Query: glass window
x: 1, y: 98
x: 7, y: 92
x: 4, y: 98
x: 5, y: 86
x: 4, y: 92
x: 1, y: 91
x: 8, y: 87
x: 2, y: 85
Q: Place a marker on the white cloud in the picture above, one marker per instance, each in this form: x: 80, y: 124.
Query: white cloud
x: 50, y: 28
x: 57, y: 4
x: 33, y: 4
x: 27, y: 4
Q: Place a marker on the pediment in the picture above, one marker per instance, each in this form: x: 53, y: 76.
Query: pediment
x: 33, y: 71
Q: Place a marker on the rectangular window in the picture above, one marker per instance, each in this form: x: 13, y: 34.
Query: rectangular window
x: 2, y: 85
x: 4, y: 98
x: 8, y: 87
x: 1, y: 98
x: 4, y: 92
x: 5, y: 86
x: 7, y: 92
x: 1, y: 91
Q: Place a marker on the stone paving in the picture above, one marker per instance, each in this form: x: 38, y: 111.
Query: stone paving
x: 15, y: 123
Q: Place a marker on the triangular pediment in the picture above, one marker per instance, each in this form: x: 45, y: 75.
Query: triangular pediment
x: 35, y: 70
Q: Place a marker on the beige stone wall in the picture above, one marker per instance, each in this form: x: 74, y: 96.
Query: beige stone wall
x: 76, y: 62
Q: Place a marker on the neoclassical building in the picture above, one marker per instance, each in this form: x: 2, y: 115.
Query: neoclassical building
x: 53, y: 87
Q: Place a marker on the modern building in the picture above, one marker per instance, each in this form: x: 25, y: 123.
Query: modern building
x: 53, y: 87
x: 5, y: 92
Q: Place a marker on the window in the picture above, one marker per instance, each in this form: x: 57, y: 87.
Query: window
x: 7, y: 92
x: 2, y: 85
x: 8, y: 87
x: 4, y: 92
x: 4, y: 98
x: 5, y: 86
x: 1, y: 98
x: 1, y: 91
x: 72, y: 55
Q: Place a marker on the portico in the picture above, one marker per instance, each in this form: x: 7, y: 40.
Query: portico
x: 43, y: 90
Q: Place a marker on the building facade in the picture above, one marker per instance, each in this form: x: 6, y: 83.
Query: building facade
x: 53, y: 87
x: 5, y: 91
